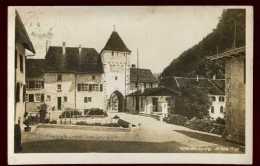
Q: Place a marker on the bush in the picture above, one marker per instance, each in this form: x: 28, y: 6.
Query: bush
x: 205, y: 125
x: 95, y: 112
x: 53, y: 122
x: 220, y: 121
x: 98, y: 124
x: 176, y: 119
x: 70, y: 113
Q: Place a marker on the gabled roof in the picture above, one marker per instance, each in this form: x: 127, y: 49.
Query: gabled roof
x: 142, y: 75
x: 229, y: 54
x: 115, y: 43
x: 88, y: 61
x: 214, y: 87
x: 21, y: 35
x: 159, y: 91
x: 35, y: 68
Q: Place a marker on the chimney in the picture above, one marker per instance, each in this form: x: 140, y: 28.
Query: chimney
x: 80, y: 48
x: 63, y: 48
x: 133, y: 65
x: 214, y: 77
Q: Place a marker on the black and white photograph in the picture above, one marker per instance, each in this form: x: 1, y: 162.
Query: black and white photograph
x: 130, y: 84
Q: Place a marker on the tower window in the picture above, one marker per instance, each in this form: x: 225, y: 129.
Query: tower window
x: 59, y: 77
x: 212, y: 109
x: 59, y: 87
x: 221, y: 109
x: 113, y: 53
x: 115, y: 77
x: 65, y: 98
x: 93, y: 77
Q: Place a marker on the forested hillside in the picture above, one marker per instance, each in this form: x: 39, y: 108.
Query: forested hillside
x: 193, y: 61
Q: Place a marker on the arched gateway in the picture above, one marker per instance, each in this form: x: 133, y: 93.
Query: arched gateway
x: 116, y: 102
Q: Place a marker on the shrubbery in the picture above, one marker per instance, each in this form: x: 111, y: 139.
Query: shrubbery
x: 176, y: 119
x: 205, y: 125
x: 95, y: 112
x: 98, y: 124
x: 70, y: 113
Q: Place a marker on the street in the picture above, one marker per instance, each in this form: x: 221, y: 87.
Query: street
x: 151, y: 135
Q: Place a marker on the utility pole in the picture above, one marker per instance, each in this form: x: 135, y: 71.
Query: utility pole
x: 235, y: 35
x: 137, y: 82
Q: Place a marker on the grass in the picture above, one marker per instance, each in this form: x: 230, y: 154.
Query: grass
x: 81, y: 146
x: 76, y: 146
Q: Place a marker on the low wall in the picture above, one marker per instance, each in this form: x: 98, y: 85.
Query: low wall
x: 82, y: 127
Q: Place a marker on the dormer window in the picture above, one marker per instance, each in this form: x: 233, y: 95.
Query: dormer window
x: 115, y: 77
x: 113, y: 53
x: 93, y: 77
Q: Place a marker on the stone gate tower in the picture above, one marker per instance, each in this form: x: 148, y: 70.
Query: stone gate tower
x: 116, y: 63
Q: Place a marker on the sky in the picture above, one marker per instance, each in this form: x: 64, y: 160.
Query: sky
x: 160, y: 33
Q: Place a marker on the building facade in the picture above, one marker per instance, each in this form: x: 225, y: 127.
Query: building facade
x: 235, y: 93
x: 80, y: 78
x: 158, y: 101
x: 22, y: 43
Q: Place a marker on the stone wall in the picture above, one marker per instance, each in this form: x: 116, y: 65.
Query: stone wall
x: 235, y: 101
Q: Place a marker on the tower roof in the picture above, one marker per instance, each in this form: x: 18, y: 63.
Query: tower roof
x: 115, y: 43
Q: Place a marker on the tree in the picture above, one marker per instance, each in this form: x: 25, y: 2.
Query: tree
x: 195, y: 102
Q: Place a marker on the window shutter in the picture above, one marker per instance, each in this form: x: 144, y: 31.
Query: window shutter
x: 24, y: 93
x: 42, y: 84
x: 17, y: 92
x: 42, y: 97
x: 101, y: 87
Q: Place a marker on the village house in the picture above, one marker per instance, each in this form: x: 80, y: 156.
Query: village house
x: 22, y: 43
x: 80, y: 78
x: 158, y: 101
x: 235, y: 93
x: 35, y: 94
x: 215, y: 89
x: 141, y: 78
x: 73, y: 79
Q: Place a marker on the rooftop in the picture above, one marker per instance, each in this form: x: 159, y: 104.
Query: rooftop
x: 75, y: 59
x: 159, y: 91
x: 21, y: 35
x: 230, y: 53
x: 115, y: 43
x: 142, y: 75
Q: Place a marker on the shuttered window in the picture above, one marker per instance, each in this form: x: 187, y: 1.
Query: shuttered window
x: 17, y: 92
x: 21, y: 63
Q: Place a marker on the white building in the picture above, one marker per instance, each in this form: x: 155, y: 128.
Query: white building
x: 116, y: 61
x: 34, y: 85
x: 217, y: 108
x: 157, y: 101
x: 81, y: 78
x: 22, y: 43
